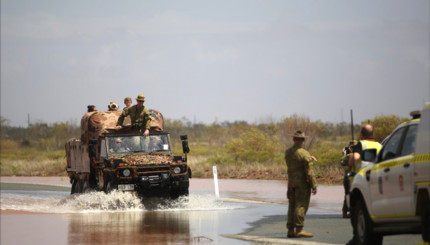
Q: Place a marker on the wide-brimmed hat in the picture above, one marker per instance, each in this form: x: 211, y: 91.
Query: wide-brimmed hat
x: 140, y: 97
x: 299, y: 134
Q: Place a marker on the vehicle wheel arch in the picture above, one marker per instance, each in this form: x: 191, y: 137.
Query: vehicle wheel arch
x: 362, y: 223
x: 423, y: 197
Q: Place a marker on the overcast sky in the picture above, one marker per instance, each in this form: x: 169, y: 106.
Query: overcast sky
x: 215, y: 60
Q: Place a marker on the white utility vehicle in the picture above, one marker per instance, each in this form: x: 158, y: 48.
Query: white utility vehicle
x: 391, y: 194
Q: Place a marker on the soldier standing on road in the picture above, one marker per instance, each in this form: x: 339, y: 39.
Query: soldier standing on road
x: 301, y: 182
x: 344, y: 161
x: 139, y: 115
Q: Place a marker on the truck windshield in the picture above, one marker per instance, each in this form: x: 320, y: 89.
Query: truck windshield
x: 131, y: 144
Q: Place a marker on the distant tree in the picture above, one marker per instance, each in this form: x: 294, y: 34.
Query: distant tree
x: 4, y: 124
x: 289, y: 125
x: 384, y: 125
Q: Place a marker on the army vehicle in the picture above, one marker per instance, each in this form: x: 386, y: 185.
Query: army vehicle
x: 107, y: 159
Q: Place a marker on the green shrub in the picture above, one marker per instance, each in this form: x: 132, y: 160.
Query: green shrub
x: 253, y: 146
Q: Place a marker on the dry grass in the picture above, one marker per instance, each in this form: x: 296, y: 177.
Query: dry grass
x: 32, y: 167
x: 201, y: 168
x: 31, y: 162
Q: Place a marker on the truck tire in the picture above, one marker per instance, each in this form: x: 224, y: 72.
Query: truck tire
x: 108, y: 186
x: 362, y: 226
x: 78, y: 186
x: 85, y: 186
x: 73, y: 189
x: 425, y: 221
x: 178, y: 193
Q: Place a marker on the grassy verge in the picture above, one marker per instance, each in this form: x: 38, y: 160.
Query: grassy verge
x: 27, y: 161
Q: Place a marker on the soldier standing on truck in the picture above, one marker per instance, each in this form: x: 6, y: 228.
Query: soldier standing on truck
x: 139, y: 115
x: 127, y: 102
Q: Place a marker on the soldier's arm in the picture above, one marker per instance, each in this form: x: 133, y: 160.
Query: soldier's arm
x: 121, y: 117
x: 308, y: 170
x: 147, y: 119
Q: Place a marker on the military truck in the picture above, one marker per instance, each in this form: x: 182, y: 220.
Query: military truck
x: 106, y: 158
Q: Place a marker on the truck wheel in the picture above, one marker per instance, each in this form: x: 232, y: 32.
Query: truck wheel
x: 425, y: 220
x: 78, y: 186
x: 73, y: 189
x: 107, y: 188
x: 362, y: 225
x: 85, y: 186
x: 177, y: 193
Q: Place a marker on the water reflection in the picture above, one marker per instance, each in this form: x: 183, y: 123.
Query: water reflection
x: 130, y: 228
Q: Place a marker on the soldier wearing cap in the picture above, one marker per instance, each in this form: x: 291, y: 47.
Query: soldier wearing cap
x: 139, y: 115
x: 301, y: 182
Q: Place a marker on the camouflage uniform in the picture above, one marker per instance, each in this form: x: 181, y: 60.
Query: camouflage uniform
x: 140, y: 118
x: 300, y: 182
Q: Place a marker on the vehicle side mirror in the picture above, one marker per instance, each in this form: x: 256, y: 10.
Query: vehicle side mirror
x: 185, y: 147
x: 369, y: 155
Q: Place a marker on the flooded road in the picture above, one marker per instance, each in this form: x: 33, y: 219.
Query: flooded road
x: 48, y: 214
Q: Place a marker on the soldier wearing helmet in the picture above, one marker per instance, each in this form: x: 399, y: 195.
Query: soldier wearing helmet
x: 139, y: 115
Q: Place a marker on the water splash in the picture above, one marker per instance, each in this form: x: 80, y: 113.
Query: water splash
x: 116, y: 201
x: 99, y: 201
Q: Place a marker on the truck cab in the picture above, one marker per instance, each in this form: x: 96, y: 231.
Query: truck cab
x: 133, y: 162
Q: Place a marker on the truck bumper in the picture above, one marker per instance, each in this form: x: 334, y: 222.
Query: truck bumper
x: 157, y: 184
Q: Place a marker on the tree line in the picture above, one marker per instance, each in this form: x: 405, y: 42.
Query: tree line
x: 237, y: 136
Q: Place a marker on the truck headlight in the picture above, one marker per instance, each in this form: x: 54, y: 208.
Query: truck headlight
x: 177, y: 170
x: 126, y: 172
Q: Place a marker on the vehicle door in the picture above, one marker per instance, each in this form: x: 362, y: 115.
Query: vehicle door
x: 401, y: 172
x: 381, y: 179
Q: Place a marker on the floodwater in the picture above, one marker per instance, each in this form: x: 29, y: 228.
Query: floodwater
x: 32, y: 214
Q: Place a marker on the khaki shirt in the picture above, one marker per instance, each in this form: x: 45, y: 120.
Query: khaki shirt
x: 140, y: 118
x: 298, y: 162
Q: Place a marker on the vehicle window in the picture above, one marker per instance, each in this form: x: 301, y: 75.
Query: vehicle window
x: 134, y: 144
x: 409, y: 142
x: 391, y: 146
x: 117, y: 145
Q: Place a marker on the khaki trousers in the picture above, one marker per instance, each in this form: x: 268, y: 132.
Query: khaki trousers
x: 298, y: 203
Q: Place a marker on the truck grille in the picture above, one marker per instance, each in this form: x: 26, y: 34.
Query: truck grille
x: 144, y: 169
